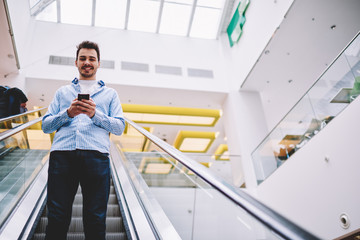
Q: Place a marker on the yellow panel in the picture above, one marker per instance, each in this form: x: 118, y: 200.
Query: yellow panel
x: 194, y: 144
x: 187, y: 141
x: 158, y: 168
x: 222, y: 153
x: 171, y: 115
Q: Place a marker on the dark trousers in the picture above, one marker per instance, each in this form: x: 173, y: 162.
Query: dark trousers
x: 66, y: 170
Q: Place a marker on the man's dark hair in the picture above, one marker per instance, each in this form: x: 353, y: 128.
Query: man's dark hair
x: 88, y: 45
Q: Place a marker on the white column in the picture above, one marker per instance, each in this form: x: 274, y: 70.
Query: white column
x: 245, y: 128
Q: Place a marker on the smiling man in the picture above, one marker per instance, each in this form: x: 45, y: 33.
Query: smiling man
x: 80, y: 149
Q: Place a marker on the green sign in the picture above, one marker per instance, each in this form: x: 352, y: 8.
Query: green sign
x: 237, y: 22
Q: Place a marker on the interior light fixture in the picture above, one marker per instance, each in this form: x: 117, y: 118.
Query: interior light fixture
x: 171, y: 115
x: 131, y: 140
x: 155, y: 165
x: 194, y: 141
x: 222, y: 153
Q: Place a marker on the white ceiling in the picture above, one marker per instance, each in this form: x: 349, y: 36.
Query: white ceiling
x: 312, y: 34
x: 7, y: 53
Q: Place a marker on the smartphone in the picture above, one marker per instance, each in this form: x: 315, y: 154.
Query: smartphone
x: 83, y: 96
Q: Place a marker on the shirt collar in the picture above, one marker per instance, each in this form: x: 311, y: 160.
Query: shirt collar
x: 76, y: 82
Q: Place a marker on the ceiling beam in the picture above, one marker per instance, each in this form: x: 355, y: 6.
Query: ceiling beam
x: 41, y: 5
x: 58, y: 11
x: 160, y: 15
x: 191, y: 17
x: 93, y: 13
x: 127, y: 14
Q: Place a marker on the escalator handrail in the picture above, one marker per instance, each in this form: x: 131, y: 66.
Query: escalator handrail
x: 13, y: 131
x: 21, y: 114
x: 264, y: 214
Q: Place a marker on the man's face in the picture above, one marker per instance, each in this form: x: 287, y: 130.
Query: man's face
x: 87, y: 64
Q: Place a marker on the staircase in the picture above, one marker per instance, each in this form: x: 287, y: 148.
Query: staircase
x: 114, y: 223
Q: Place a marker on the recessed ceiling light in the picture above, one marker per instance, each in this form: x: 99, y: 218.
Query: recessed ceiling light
x: 194, y: 141
x: 333, y: 27
x: 290, y: 80
x: 171, y: 115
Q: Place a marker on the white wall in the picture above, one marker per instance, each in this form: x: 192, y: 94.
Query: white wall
x: 61, y: 40
x: 203, y: 213
x: 14, y: 80
x: 314, y: 192
x: 37, y: 40
x: 244, y: 124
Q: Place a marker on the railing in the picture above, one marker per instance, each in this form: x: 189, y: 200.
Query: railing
x: 16, y: 120
x: 330, y: 94
x: 24, y: 151
x: 202, y: 205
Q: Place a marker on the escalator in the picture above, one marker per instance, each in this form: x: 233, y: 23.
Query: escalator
x: 115, y: 229
x: 135, y: 210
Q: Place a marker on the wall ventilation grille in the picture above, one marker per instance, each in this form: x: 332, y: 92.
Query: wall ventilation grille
x: 139, y: 67
x: 168, y: 70
x: 133, y: 66
x: 70, y: 61
x: 194, y: 72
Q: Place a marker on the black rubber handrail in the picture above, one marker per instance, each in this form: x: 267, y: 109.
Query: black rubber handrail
x: 274, y: 221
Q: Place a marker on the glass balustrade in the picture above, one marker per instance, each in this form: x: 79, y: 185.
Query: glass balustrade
x: 22, y: 155
x: 195, y: 209
x: 331, y: 93
x: 16, y: 120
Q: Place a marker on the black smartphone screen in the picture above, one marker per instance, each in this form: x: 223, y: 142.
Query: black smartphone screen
x: 83, y: 96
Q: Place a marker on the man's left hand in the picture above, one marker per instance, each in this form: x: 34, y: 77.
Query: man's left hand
x: 88, y: 107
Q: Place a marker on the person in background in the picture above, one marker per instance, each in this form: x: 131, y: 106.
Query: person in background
x: 12, y: 101
x: 80, y: 150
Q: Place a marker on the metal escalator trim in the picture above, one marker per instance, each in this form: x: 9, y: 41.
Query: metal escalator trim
x: 19, y: 223
x: 156, y: 214
x: 21, y: 114
x: 13, y: 131
x: 273, y: 220
x: 151, y: 206
x: 134, y: 215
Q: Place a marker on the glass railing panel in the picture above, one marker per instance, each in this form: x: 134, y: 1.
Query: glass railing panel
x: 21, y: 157
x: 331, y: 93
x: 16, y: 120
x: 352, y: 54
x: 195, y: 209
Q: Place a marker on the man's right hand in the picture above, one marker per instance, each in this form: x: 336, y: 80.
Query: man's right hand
x: 74, y: 109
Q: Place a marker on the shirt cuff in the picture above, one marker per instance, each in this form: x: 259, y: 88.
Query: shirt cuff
x: 97, y: 118
x: 64, y: 116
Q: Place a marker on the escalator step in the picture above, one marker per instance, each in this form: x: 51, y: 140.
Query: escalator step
x: 113, y: 210
x: 113, y: 225
x: 79, y: 199
x: 80, y: 236
x: 112, y: 190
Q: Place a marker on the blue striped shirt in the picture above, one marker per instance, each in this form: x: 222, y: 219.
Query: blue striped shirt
x: 82, y: 132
